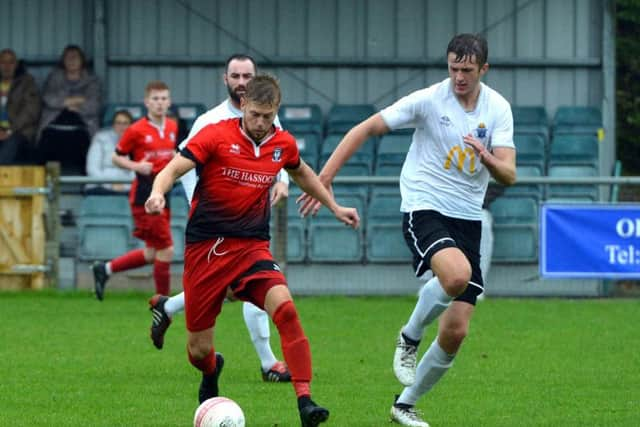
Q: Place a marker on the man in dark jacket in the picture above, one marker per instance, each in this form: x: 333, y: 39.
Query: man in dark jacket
x: 20, y: 107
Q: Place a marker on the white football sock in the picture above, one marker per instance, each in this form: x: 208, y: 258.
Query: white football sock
x: 174, y: 304
x: 433, y: 365
x: 432, y: 301
x: 257, y: 322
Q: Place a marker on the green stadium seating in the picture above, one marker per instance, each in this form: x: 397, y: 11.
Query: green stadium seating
x: 384, y: 239
x: 530, y: 150
x: 577, y: 192
x: 529, y: 190
x: 568, y: 149
x: 342, y: 117
x: 392, y: 151
x: 309, y: 147
x: 530, y: 120
x: 577, y: 120
x: 302, y: 118
x: 104, y: 227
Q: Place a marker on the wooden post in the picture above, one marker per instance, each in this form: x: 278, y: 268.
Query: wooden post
x: 53, y: 222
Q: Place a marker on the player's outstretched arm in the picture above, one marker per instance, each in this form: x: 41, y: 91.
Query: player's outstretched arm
x: 163, y: 183
x: 352, y: 141
x: 306, y: 178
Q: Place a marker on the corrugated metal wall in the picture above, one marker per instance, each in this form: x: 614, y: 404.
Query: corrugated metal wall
x: 324, y: 51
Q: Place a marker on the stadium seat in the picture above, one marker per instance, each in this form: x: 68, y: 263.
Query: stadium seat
x: 577, y: 120
x: 360, y: 163
x: 332, y: 241
x: 188, y: 112
x: 515, y: 225
x: 514, y: 210
x: 515, y: 243
x: 309, y: 147
x: 342, y: 117
x: 103, y: 239
x: 179, y: 217
x: 179, y: 206
x: 392, y: 151
x: 106, y: 206
x: 104, y: 227
x: 529, y: 190
x: 384, y: 239
x: 137, y: 110
x: 301, y: 118
x: 296, y: 239
x: 569, y: 149
x: 530, y: 120
x: 531, y: 150
x: 577, y: 192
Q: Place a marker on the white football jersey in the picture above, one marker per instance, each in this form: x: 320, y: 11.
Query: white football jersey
x: 440, y: 171
x: 224, y: 110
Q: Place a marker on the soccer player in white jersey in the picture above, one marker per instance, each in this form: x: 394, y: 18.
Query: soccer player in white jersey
x: 239, y: 70
x: 463, y: 135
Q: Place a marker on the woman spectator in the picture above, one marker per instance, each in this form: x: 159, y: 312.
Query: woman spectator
x: 19, y: 109
x: 99, y: 163
x: 72, y: 100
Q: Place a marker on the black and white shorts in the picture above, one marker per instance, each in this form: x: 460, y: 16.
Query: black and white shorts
x: 426, y: 232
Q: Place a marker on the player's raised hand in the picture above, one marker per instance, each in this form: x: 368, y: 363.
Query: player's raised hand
x: 279, y: 191
x: 349, y: 216
x: 154, y: 204
x: 477, y: 146
x: 309, y: 205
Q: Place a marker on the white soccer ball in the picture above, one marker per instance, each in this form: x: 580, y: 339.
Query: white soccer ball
x: 218, y: 412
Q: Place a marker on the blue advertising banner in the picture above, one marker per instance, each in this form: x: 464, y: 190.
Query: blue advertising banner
x: 594, y: 241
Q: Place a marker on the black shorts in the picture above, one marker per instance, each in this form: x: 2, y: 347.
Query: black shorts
x: 427, y: 232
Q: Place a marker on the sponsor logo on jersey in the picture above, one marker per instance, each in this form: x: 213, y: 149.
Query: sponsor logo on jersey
x: 461, y: 154
x: 277, y: 155
x: 249, y: 178
x: 148, y: 139
x: 235, y: 149
x: 172, y: 136
x: 445, y: 121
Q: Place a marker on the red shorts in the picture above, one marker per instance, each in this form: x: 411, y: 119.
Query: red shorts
x: 210, y: 267
x: 154, y: 230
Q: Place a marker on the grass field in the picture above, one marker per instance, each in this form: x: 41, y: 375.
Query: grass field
x: 68, y: 360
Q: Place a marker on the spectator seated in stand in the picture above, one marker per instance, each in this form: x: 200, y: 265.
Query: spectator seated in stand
x: 19, y: 110
x: 99, y: 163
x: 72, y: 100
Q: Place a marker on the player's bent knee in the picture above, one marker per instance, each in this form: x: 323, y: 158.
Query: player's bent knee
x: 165, y: 255
x: 285, y: 312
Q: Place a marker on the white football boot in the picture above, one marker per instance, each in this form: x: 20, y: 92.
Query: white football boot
x: 404, y: 361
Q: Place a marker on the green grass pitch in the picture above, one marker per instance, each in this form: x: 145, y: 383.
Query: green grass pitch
x: 69, y: 360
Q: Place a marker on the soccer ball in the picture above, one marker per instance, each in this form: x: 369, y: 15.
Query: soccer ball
x: 218, y: 412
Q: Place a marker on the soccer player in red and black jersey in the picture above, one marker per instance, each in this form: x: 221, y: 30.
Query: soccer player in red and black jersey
x: 146, y: 147
x: 227, y: 237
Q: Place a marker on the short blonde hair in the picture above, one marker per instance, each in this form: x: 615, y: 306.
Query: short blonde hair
x: 263, y: 90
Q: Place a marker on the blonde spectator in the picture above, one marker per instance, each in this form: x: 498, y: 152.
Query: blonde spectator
x: 99, y: 162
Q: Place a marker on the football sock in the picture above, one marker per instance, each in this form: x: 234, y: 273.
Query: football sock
x: 295, y: 347
x: 257, y: 322
x: 432, y: 301
x: 132, y: 259
x: 174, y: 304
x: 161, y: 277
x: 206, y: 365
x: 433, y: 365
